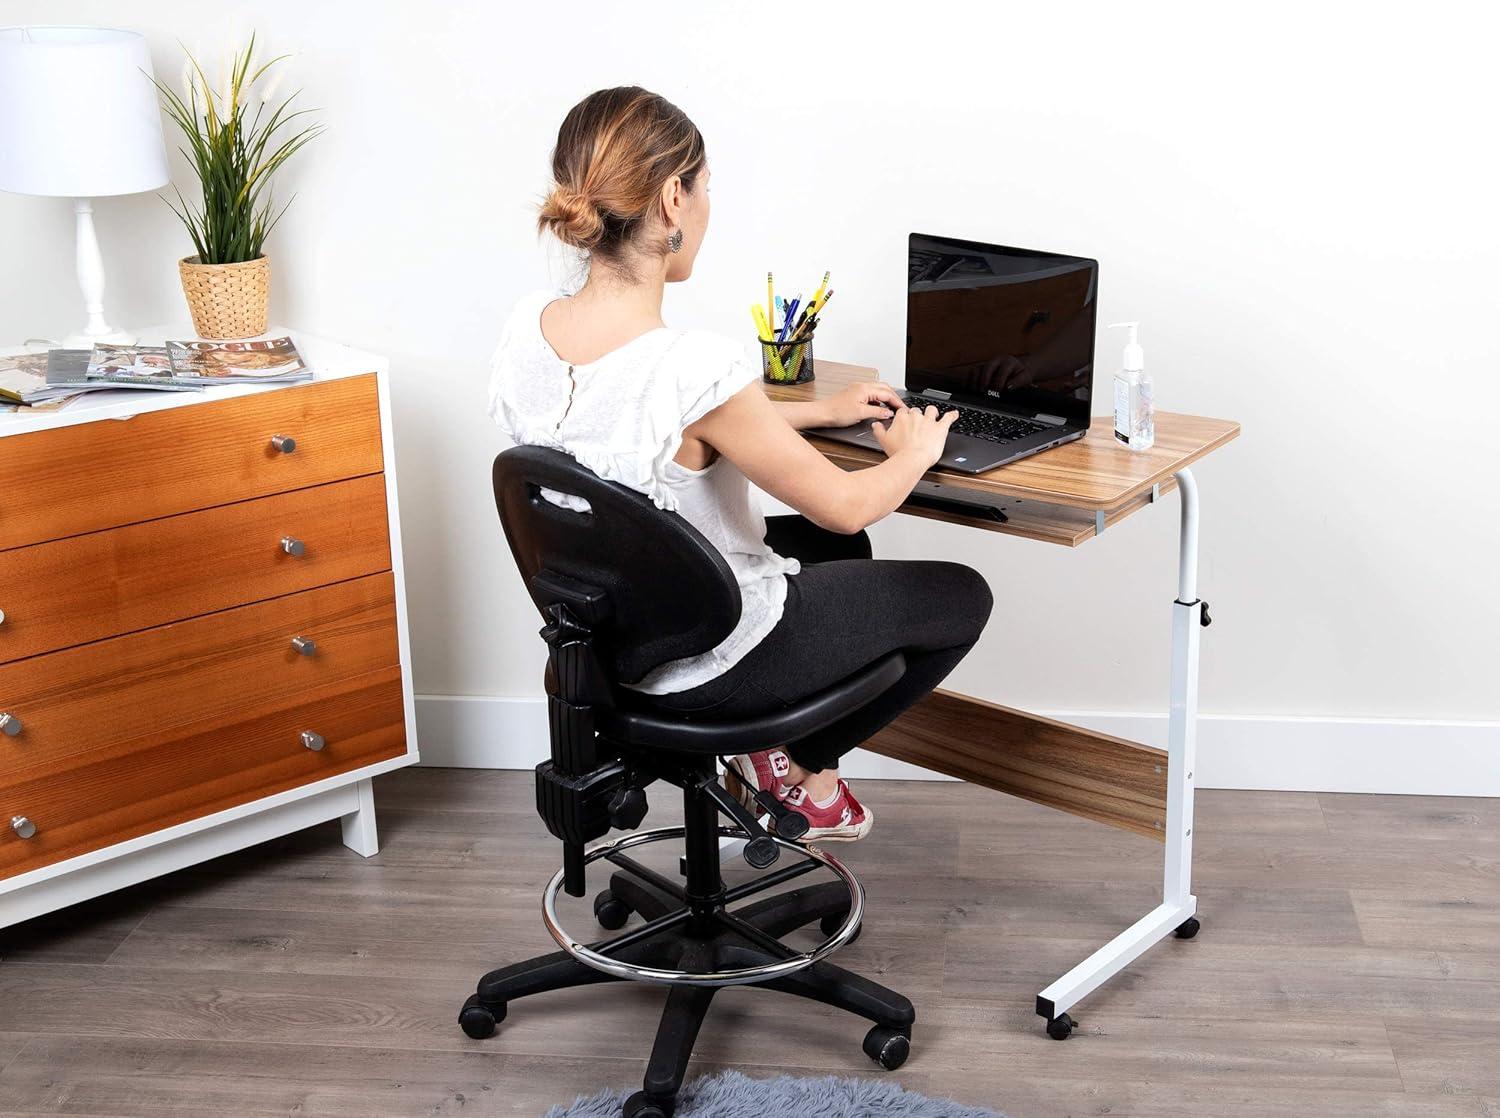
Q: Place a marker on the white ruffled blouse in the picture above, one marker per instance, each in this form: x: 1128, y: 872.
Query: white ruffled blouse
x: 623, y: 417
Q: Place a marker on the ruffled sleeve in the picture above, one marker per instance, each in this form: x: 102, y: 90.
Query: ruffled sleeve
x: 700, y: 372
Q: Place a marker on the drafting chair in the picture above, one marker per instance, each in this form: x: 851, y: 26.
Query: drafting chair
x: 624, y: 587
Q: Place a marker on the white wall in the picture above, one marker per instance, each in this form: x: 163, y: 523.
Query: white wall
x: 1298, y: 202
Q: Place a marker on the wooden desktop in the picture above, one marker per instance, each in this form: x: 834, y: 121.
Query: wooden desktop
x: 1066, y: 495
x: 1069, y: 495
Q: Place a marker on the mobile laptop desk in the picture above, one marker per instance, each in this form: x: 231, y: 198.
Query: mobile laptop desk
x: 1068, y: 495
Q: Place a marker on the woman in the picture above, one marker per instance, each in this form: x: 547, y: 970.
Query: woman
x: 680, y: 416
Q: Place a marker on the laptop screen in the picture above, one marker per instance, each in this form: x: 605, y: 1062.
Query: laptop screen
x: 1004, y: 326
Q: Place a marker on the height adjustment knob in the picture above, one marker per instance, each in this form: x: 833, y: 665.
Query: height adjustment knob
x: 627, y: 808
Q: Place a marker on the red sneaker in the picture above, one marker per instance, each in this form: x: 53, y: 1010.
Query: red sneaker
x: 844, y: 820
x: 748, y: 773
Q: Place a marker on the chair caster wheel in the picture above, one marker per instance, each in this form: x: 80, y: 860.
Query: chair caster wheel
x: 887, y: 1047
x: 610, y: 911
x: 478, y: 1020
x: 1061, y: 1027
x: 639, y: 1105
x: 830, y: 924
x: 1188, y: 928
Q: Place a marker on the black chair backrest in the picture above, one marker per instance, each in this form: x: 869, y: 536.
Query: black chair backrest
x: 669, y: 592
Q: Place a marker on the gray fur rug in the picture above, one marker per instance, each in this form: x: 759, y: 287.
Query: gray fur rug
x: 732, y: 1095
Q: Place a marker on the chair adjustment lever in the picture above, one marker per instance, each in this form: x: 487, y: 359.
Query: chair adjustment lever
x: 761, y: 851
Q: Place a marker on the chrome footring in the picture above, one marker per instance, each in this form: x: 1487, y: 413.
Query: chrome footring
x: 737, y: 977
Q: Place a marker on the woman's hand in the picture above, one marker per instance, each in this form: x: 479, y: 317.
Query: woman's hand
x: 917, y: 432
x: 859, y: 402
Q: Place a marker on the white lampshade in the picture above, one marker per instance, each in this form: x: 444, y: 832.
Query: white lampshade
x: 78, y: 113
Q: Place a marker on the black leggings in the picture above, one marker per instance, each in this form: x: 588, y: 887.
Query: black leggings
x: 843, y: 611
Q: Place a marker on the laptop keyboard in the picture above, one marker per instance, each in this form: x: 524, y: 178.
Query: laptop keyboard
x: 988, y: 425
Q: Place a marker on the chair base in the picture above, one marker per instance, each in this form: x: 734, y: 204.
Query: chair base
x: 703, y: 909
x: 711, y: 941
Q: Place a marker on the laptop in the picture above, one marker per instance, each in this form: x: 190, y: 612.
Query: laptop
x: 1005, y: 337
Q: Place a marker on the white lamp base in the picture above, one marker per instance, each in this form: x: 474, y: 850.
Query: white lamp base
x: 111, y: 337
x: 91, y: 283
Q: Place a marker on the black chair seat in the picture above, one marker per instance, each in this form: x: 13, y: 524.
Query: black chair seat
x: 682, y: 733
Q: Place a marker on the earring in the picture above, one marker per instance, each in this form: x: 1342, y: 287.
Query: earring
x: 674, y: 240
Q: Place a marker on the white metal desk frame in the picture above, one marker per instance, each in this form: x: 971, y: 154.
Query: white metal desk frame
x: 1178, y: 904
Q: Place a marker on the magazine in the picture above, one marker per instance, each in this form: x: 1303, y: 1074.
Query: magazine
x: 136, y: 366
x: 271, y: 361
x: 26, y: 380
x: 21, y: 374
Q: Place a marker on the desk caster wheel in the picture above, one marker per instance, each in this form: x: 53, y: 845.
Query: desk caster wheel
x: 639, y: 1105
x: 478, y: 1020
x: 887, y: 1047
x: 610, y: 911
x: 830, y: 924
x: 1188, y: 928
x: 1061, y: 1027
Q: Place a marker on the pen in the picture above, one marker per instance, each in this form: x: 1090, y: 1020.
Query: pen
x: 791, y: 314
x: 770, y: 297
x: 810, y: 317
x: 810, y: 310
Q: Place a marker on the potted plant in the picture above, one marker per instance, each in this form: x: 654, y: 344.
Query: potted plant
x: 236, y: 139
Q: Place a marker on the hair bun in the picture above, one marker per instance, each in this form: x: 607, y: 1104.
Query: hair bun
x: 574, y: 218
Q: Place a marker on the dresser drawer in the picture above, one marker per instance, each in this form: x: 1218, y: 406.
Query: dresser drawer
x: 217, y: 670
x: 101, y: 584
x: 88, y: 476
x: 91, y: 801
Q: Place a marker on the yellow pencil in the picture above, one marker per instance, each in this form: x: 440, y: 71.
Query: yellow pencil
x: 770, y: 299
x: 822, y: 287
x: 814, y: 309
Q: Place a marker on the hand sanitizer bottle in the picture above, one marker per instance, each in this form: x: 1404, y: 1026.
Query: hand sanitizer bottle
x: 1135, y: 420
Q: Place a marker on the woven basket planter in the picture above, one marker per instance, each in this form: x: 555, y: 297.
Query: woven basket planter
x: 227, y: 300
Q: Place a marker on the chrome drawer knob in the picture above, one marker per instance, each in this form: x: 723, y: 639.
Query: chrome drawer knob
x: 2, y: 617
x: 284, y: 443
x: 22, y: 826
x: 305, y: 645
x: 313, y: 741
x: 10, y: 725
x: 292, y: 546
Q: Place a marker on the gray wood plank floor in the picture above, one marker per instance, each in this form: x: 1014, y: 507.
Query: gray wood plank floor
x: 1349, y: 964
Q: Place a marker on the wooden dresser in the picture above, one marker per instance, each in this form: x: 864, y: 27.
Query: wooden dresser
x: 202, y: 626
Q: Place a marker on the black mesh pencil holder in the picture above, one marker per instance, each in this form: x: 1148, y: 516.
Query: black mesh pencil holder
x: 787, y: 362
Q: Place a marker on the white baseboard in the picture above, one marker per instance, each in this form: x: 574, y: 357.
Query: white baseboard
x: 1412, y: 757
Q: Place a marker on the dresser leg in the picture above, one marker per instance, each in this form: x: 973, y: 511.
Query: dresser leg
x: 359, y: 826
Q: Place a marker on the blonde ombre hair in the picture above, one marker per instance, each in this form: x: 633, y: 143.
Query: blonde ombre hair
x: 615, y: 151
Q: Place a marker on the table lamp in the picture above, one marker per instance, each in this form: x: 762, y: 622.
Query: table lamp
x: 79, y: 119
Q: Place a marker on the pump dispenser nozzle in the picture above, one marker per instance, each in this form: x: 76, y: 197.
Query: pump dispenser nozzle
x: 1135, y: 357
